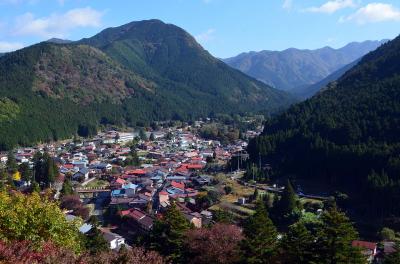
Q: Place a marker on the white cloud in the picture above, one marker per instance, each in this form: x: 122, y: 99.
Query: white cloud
x: 331, y: 6
x: 287, y: 4
x: 10, y: 46
x: 57, y: 25
x: 205, y: 36
x: 374, y: 12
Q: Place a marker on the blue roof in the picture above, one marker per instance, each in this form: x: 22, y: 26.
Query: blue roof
x: 129, y: 186
x: 118, y: 192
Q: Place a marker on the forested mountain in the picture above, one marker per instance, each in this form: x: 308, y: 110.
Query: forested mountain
x: 59, y: 41
x: 294, y: 68
x: 347, y: 136
x: 309, y: 90
x: 129, y: 75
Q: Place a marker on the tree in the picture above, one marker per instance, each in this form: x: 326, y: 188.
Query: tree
x: 45, y: 169
x: 218, y: 244
x: 94, y: 240
x: 11, y: 162
x: 36, y: 219
x: 142, y: 134
x: 334, y: 239
x: 387, y: 234
x: 260, y: 243
x: 298, y: 245
x: 393, y: 258
x: 285, y: 210
x: 67, y: 188
x: 169, y: 233
x: 152, y: 137
x: 26, y: 172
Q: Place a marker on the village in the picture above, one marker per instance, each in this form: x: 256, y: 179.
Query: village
x: 126, y: 180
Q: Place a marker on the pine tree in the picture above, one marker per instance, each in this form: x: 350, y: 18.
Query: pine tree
x: 11, y: 162
x: 287, y: 202
x: 67, y: 188
x: 393, y: 258
x: 260, y: 243
x: 26, y: 172
x: 169, y: 233
x: 334, y: 240
x: 285, y: 210
x: 94, y: 241
x: 298, y: 245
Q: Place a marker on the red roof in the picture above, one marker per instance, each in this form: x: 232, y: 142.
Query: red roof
x: 120, y: 181
x: 364, y: 244
x: 178, y: 185
x: 134, y: 213
x: 195, y: 166
x: 136, y: 172
x: 68, y: 166
x: 163, y: 193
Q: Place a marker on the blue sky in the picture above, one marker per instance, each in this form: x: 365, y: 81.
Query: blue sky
x: 223, y: 27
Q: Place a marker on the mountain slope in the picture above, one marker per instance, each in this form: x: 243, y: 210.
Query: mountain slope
x: 171, y: 56
x: 293, y: 68
x: 130, y: 75
x: 309, y: 90
x: 348, y: 136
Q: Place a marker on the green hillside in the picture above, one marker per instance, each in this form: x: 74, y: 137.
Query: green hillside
x: 129, y: 75
x: 347, y: 136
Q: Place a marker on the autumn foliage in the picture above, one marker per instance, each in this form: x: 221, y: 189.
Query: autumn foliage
x: 218, y: 244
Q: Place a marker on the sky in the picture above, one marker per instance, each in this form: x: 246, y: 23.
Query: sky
x: 224, y: 27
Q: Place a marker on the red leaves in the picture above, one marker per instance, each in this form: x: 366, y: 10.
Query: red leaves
x: 218, y: 244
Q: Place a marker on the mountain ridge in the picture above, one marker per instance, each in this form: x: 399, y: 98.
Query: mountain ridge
x: 293, y: 67
x: 350, y: 132
x: 129, y: 75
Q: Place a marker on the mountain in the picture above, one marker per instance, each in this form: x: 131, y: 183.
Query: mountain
x: 347, y: 137
x: 173, y: 58
x: 309, y: 90
x: 59, y: 41
x: 129, y: 75
x: 293, y: 68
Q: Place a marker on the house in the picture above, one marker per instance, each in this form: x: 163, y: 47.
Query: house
x: 163, y: 197
x: 83, y: 173
x: 105, y: 167
x: 194, y: 218
x: 368, y: 249
x: 130, y: 189
x: 202, y: 180
x: 138, y: 219
x: 115, y: 241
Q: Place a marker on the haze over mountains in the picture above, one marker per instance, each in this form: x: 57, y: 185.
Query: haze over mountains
x: 127, y: 75
x: 294, y: 69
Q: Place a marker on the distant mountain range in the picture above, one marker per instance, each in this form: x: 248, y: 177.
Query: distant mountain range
x: 347, y: 136
x: 294, y: 69
x: 128, y: 75
x: 59, y: 41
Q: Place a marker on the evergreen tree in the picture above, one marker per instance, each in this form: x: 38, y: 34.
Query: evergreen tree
x: 26, y: 172
x: 94, y: 240
x: 260, y: 243
x: 169, y: 233
x: 285, y: 210
x: 142, y: 135
x: 11, y: 162
x: 298, y: 245
x: 67, y: 188
x: 393, y: 258
x: 152, y: 137
x: 335, y: 236
x: 45, y: 169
